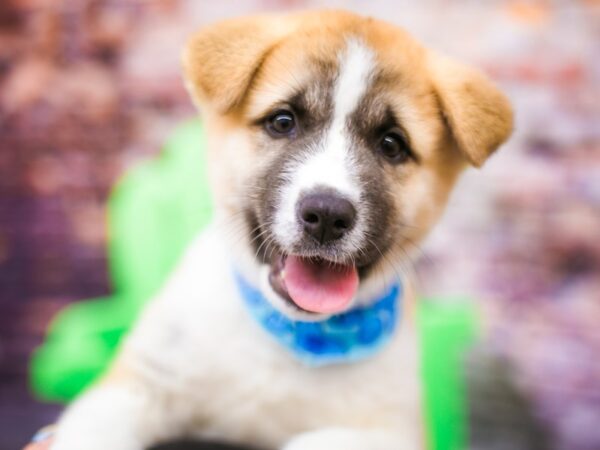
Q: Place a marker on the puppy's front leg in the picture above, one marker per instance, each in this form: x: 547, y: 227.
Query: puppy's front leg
x: 354, y: 439
x: 115, y: 416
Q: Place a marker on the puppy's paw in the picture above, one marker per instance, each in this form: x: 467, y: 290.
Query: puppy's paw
x: 95, y: 442
x: 106, y: 417
x: 321, y: 440
x: 349, y: 439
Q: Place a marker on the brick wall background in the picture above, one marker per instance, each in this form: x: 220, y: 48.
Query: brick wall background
x: 88, y: 88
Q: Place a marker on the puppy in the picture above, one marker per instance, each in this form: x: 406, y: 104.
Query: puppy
x: 333, y: 143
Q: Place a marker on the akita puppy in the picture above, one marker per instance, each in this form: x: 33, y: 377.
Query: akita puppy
x: 333, y: 143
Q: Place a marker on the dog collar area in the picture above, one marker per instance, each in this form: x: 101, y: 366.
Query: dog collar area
x: 348, y: 337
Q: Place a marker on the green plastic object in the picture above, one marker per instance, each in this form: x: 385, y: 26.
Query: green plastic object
x: 153, y: 213
x: 447, y: 328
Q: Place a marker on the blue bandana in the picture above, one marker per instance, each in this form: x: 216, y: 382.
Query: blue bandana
x: 351, y: 336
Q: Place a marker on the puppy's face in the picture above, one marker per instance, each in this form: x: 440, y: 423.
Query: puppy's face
x: 337, y: 139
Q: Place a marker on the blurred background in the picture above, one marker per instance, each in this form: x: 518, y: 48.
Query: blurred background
x: 90, y: 88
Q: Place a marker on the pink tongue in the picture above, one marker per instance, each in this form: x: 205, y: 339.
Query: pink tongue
x: 320, y: 287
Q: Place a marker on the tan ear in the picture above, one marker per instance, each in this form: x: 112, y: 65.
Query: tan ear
x: 479, y: 115
x: 220, y: 61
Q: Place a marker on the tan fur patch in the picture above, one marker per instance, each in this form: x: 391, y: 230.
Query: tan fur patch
x: 479, y: 115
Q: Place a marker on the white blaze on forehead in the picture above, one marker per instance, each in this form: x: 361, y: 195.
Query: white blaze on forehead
x: 331, y: 164
x: 353, y: 80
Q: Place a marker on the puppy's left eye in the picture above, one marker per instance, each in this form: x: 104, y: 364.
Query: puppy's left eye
x: 281, y: 124
x: 394, y: 148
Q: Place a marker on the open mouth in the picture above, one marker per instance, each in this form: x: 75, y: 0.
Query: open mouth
x: 314, y: 285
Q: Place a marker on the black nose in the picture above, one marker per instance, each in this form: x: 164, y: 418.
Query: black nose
x: 326, y: 216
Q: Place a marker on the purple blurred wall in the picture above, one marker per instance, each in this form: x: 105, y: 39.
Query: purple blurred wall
x: 89, y: 88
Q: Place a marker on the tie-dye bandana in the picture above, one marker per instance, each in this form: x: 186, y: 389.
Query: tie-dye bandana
x: 348, y: 337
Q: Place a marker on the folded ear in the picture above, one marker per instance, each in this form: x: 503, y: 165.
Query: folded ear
x: 220, y: 61
x: 479, y: 116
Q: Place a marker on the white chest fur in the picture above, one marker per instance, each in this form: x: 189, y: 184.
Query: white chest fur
x: 197, y: 365
x: 228, y: 378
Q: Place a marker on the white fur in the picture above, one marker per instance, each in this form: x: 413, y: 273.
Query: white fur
x: 331, y: 164
x: 106, y: 417
x: 352, y: 439
x: 202, y: 367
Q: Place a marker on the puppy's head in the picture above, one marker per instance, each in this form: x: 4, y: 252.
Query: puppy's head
x: 336, y: 139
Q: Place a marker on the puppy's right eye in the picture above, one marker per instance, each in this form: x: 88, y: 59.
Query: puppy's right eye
x: 281, y: 124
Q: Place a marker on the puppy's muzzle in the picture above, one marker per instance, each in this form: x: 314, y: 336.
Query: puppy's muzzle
x: 325, y: 216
